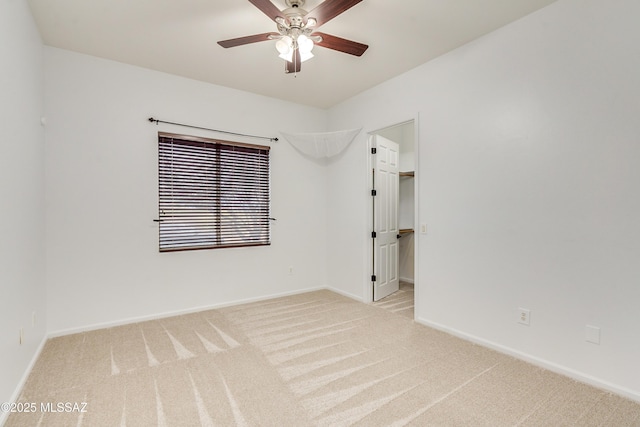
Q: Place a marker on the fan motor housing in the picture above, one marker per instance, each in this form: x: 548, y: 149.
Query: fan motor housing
x: 294, y: 13
x: 294, y: 3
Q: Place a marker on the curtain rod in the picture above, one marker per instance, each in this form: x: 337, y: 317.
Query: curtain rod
x: 152, y: 120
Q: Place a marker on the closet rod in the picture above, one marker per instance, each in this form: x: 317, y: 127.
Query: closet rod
x: 152, y: 120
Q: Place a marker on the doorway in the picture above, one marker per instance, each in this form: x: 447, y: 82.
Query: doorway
x: 401, y: 263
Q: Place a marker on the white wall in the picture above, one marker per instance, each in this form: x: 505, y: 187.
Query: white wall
x: 103, y: 264
x: 529, y: 183
x: 22, y: 194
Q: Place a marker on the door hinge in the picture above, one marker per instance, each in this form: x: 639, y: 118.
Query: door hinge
x: 373, y: 150
x: 373, y: 278
x: 374, y: 192
x: 373, y: 234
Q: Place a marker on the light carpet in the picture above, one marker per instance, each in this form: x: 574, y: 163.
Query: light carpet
x: 316, y: 359
x: 400, y: 302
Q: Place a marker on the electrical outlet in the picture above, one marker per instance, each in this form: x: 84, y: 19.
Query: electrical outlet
x: 524, y: 315
x: 290, y: 270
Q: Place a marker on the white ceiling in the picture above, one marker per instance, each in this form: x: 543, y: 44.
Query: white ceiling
x: 179, y: 37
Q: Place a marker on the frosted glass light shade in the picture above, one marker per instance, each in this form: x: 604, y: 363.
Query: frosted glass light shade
x: 284, y: 45
x: 287, y: 56
x: 305, y: 55
x: 305, y: 44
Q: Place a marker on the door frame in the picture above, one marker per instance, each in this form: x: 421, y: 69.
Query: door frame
x: 368, y: 284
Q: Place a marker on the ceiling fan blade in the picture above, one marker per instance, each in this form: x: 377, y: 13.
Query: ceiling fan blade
x: 246, y: 40
x: 329, y: 9
x: 295, y: 66
x: 267, y: 8
x: 340, y: 44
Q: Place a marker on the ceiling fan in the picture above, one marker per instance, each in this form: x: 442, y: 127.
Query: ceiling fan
x: 296, y: 34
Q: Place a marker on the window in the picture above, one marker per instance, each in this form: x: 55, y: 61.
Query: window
x: 213, y: 194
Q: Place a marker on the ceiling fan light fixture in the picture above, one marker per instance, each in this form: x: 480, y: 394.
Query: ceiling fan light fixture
x: 296, y: 38
x: 305, y: 56
x: 305, y: 44
x: 287, y: 56
x: 284, y: 45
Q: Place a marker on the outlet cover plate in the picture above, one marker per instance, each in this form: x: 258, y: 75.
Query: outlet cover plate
x: 524, y: 316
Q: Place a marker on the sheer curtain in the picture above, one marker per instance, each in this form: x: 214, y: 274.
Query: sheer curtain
x: 322, y: 144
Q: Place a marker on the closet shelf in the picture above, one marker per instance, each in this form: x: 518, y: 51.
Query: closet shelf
x: 408, y: 173
x: 404, y: 231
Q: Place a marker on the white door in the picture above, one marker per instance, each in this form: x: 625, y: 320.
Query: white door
x: 385, y: 217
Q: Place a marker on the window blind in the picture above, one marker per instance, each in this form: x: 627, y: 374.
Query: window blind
x: 212, y: 193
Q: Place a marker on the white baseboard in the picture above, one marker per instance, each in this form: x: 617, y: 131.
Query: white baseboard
x: 23, y: 379
x: 554, y: 367
x: 405, y: 279
x: 126, y: 321
x: 345, y: 294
